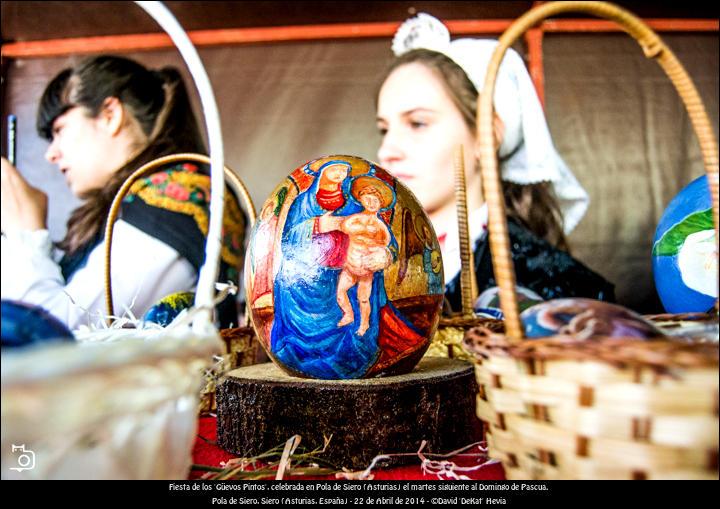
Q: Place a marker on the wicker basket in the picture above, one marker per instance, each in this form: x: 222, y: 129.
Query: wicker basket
x: 241, y: 348
x: 240, y: 345
x: 562, y: 408
x: 124, y: 405
x: 448, y: 338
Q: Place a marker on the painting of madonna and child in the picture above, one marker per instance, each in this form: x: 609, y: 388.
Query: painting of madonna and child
x: 343, y: 275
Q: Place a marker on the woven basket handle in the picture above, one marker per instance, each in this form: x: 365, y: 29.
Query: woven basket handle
x: 654, y: 48
x: 230, y: 176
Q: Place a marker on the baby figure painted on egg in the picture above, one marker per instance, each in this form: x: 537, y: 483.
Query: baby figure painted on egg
x: 337, y: 274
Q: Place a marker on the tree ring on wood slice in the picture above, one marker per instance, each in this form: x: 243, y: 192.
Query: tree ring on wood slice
x: 261, y: 406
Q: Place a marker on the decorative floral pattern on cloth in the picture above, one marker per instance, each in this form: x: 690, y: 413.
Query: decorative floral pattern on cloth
x: 183, y: 188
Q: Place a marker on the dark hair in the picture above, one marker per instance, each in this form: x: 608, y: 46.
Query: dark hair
x: 533, y: 205
x: 158, y: 100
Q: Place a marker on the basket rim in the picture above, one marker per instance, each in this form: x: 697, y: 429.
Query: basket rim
x: 660, y: 354
x: 130, y: 347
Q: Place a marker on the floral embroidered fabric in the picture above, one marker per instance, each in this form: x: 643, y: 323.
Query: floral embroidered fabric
x: 183, y: 189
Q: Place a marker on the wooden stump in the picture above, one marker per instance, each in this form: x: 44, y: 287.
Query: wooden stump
x: 260, y: 407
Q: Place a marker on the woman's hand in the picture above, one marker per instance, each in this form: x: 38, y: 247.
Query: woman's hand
x: 23, y: 206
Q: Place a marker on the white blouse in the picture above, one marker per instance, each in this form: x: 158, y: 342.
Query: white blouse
x: 144, y: 270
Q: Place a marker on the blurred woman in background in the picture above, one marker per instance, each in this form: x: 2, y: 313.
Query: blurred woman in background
x: 427, y: 107
x: 104, y: 119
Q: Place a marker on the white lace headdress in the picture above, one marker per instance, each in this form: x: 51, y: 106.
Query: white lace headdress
x: 527, y: 154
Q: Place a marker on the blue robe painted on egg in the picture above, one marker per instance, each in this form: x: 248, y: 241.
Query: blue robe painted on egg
x: 305, y: 336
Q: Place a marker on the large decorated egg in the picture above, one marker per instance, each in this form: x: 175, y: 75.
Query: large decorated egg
x: 344, y: 277
x: 27, y: 324
x: 585, y: 319
x: 685, y: 256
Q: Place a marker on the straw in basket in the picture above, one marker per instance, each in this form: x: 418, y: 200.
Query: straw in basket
x: 607, y: 408
x: 124, y: 406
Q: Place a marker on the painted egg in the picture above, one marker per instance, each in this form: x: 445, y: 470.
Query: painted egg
x: 344, y: 276
x: 685, y: 256
x: 584, y: 319
x: 25, y: 324
x: 164, y: 311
